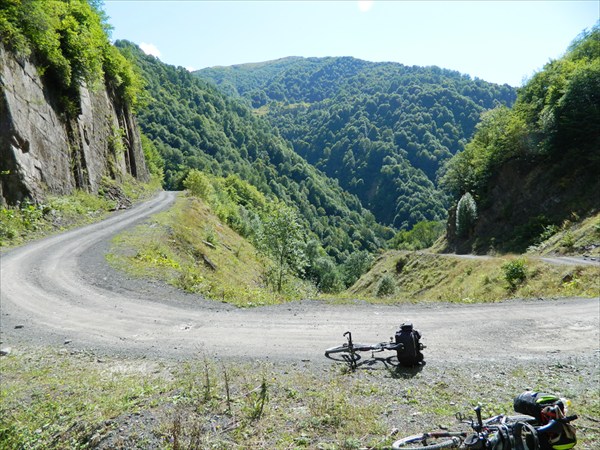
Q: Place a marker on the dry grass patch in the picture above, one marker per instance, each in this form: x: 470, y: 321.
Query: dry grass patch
x: 55, y: 400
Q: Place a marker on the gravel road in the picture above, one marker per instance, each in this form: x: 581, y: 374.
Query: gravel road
x: 59, y: 291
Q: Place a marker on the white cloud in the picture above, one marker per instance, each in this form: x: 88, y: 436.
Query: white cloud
x: 191, y: 69
x: 150, y: 49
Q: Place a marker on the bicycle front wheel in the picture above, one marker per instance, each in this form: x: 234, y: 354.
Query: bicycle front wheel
x: 342, y: 353
x: 430, y: 441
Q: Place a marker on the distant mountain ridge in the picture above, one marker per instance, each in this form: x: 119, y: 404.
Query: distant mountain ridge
x: 383, y: 130
x: 238, y: 79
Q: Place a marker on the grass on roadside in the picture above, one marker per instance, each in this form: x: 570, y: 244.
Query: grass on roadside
x: 31, y: 221
x: 190, y: 248
x: 55, y: 400
x: 573, y: 237
x: 418, y: 276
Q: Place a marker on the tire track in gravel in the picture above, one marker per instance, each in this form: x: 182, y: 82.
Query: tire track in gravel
x: 52, y: 294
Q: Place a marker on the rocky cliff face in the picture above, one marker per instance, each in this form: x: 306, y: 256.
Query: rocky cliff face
x: 43, y: 150
x: 523, y: 198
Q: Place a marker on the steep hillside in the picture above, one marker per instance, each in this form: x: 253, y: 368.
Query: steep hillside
x: 428, y: 277
x: 533, y: 169
x: 194, y: 126
x: 209, y: 259
x: 383, y: 130
x: 66, y: 99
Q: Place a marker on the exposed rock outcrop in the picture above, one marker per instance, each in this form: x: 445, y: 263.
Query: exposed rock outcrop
x: 522, y: 199
x: 43, y: 150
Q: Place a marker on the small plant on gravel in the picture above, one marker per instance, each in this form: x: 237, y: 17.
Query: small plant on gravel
x: 256, y: 401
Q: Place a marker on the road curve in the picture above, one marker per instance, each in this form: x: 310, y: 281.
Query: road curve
x: 49, y: 296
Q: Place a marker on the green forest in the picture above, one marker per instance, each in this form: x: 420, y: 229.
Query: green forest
x: 194, y: 127
x: 363, y: 156
x: 531, y: 167
x: 383, y: 130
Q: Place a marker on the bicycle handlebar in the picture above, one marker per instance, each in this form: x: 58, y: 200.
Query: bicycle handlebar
x: 554, y: 423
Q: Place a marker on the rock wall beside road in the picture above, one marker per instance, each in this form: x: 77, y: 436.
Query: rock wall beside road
x: 46, y: 150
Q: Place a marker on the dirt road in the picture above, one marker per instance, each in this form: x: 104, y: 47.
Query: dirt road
x: 60, y: 292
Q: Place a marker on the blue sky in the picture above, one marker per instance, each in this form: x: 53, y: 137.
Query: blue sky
x: 498, y: 41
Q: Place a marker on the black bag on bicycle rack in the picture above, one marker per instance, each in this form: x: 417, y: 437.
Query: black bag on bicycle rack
x: 532, y: 404
x: 409, y: 354
x: 525, y: 437
x: 544, y: 408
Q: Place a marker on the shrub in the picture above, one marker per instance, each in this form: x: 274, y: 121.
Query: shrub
x: 422, y: 235
x: 198, y: 184
x: 568, y: 240
x: 327, y: 274
x: 549, y: 231
x: 401, y: 263
x: 356, y: 265
x: 466, y: 215
x: 515, y: 272
x: 387, y: 286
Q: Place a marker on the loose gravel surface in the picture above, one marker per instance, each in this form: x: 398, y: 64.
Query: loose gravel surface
x: 61, y: 290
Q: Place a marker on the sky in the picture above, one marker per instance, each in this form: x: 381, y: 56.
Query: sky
x: 497, y: 41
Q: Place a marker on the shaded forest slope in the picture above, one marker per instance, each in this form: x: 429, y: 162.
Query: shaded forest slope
x: 534, y: 169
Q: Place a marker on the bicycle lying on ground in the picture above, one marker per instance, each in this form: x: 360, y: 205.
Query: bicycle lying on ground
x: 519, y: 432
x: 349, y: 352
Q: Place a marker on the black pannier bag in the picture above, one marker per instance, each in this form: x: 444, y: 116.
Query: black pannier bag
x: 544, y: 408
x: 409, y: 354
x: 532, y: 404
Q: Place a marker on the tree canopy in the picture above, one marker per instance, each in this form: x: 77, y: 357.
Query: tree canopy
x: 383, y: 130
x: 68, y: 40
x: 535, y: 165
x: 555, y: 118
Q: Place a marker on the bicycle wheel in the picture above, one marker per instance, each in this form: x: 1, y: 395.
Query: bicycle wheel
x: 430, y: 441
x: 341, y: 353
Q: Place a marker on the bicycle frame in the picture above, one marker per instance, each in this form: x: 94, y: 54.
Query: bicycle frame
x: 349, y: 351
x: 500, y: 429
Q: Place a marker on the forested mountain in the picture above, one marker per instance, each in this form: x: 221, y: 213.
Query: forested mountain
x: 194, y: 126
x: 535, y: 167
x: 384, y: 130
